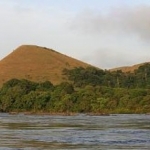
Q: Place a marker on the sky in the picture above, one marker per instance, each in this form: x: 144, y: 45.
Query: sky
x: 107, y: 34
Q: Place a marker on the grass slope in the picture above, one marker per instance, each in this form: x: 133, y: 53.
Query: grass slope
x: 37, y: 64
x: 129, y: 68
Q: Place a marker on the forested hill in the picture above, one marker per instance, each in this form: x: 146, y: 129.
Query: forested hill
x: 139, y: 78
x: 88, y: 90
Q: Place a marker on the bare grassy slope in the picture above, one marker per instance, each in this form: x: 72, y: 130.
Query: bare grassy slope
x: 37, y: 64
x: 128, y: 68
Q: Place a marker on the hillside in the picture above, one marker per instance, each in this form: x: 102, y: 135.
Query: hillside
x: 93, y: 91
x: 129, y: 68
x: 37, y: 64
x: 88, y: 90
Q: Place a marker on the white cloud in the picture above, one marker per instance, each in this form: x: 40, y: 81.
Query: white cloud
x: 126, y: 21
x: 122, y: 35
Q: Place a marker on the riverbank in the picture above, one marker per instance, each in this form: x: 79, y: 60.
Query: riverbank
x: 69, y: 113
x: 58, y: 113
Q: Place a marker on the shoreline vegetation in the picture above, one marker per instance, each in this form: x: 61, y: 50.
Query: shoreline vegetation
x: 88, y: 91
x: 65, y: 114
x: 57, y: 114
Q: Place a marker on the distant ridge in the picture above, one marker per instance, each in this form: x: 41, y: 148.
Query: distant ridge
x: 129, y: 68
x: 37, y: 64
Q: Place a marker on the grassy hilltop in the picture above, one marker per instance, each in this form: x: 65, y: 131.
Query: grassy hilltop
x: 37, y: 64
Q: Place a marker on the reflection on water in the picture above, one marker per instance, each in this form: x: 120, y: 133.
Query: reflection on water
x: 81, y: 132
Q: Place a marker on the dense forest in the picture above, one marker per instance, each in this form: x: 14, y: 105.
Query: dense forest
x: 88, y: 90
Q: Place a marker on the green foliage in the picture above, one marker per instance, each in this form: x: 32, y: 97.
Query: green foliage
x: 47, y: 85
x: 89, y: 90
x: 81, y: 77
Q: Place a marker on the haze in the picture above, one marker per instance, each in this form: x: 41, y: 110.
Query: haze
x: 104, y: 33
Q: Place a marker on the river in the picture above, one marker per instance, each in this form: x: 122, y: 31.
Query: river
x: 81, y: 132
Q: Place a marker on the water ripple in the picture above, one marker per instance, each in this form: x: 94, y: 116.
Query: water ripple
x: 82, y: 132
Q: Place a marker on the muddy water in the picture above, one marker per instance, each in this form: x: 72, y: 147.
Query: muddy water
x: 81, y: 132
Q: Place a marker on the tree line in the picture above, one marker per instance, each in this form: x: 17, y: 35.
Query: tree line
x: 140, y: 78
x: 88, y: 90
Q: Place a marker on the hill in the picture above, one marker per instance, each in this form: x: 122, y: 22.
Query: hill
x: 129, y: 68
x: 88, y: 90
x: 37, y: 64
